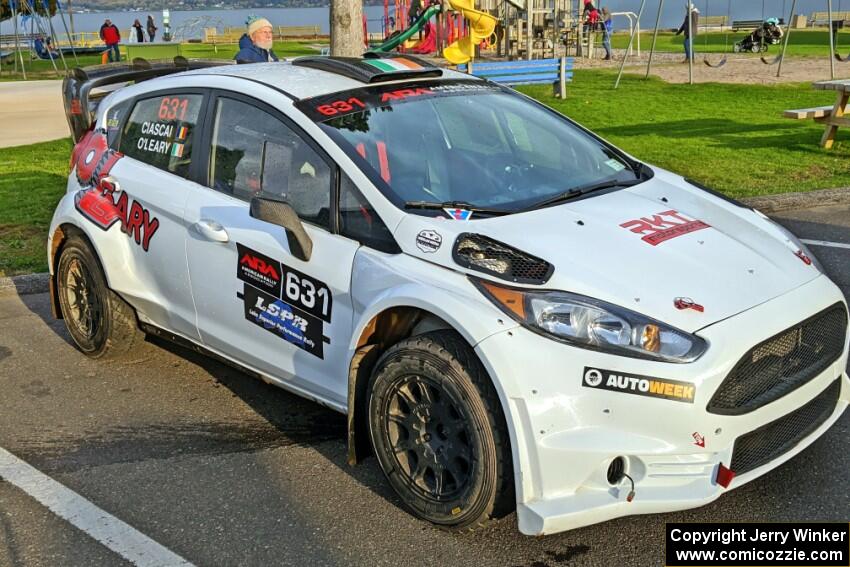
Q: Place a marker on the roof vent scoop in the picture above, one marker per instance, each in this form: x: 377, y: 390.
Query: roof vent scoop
x: 483, y: 254
x: 373, y: 67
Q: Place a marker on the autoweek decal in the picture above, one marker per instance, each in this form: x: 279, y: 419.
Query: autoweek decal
x: 663, y: 226
x: 639, y: 385
x: 284, y: 301
x: 97, y: 200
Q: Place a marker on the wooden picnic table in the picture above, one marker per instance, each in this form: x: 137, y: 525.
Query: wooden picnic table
x: 836, y: 117
x: 832, y: 116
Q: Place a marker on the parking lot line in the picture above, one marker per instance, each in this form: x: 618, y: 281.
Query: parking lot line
x: 105, y: 528
x: 825, y: 243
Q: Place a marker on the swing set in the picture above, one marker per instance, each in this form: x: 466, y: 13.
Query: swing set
x: 39, y: 14
x: 833, y: 28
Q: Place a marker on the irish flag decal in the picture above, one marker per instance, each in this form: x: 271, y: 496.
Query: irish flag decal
x: 394, y: 64
x: 177, y: 150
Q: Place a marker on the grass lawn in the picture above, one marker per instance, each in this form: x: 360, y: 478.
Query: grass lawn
x: 43, y: 69
x: 729, y: 136
x: 32, y: 179
x: 802, y: 43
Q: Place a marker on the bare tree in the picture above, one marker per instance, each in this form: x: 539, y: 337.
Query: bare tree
x: 347, y: 28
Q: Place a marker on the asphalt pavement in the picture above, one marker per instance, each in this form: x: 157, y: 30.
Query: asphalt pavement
x: 222, y: 469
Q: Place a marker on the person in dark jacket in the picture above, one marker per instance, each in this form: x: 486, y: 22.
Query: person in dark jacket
x: 140, y: 32
x: 262, y: 40
x: 111, y: 37
x: 151, y: 28
x: 689, y: 27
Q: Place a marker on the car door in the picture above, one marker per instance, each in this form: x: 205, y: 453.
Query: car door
x: 156, y: 133
x: 257, y: 302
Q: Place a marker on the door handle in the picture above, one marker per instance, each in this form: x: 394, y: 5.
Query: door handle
x: 211, y: 230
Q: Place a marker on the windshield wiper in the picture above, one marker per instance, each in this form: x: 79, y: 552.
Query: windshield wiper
x: 579, y: 191
x: 435, y: 206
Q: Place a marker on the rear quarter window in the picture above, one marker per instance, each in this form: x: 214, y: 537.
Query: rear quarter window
x: 161, y: 131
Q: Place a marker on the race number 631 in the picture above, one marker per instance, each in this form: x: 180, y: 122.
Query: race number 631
x: 313, y: 296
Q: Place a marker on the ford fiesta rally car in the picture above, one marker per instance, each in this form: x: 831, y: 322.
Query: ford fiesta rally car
x: 512, y: 312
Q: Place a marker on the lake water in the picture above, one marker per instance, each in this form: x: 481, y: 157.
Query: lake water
x: 193, y: 21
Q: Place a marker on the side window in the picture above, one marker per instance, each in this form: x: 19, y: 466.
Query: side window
x: 114, y: 116
x: 360, y: 222
x: 161, y: 130
x: 253, y: 152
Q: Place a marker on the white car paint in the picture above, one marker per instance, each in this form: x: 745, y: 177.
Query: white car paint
x: 740, y: 267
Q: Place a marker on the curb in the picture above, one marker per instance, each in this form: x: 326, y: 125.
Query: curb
x: 805, y: 200
x: 38, y: 283
x: 24, y: 285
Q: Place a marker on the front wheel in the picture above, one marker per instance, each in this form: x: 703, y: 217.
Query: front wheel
x: 101, y: 323
x: 439, y: 433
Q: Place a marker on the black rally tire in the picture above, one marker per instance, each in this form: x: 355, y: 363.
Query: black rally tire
x: 102, y: 325
x: 445, y: 362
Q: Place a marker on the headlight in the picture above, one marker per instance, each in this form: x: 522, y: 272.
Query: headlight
x: 793, y: 242
x: 591, y: 323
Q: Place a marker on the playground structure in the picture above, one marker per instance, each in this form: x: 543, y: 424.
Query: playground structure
x: 516, y: 29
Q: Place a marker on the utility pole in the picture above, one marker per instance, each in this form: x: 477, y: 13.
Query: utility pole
x: 347, y: 28
x: 71, y: 17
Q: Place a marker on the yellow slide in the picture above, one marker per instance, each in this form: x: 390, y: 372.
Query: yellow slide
x: 481, y: 26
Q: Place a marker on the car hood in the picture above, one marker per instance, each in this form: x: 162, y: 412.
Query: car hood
x: 641, y: 248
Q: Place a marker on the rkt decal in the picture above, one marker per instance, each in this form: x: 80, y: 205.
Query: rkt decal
x: 663, y: 226
x: 97, y: 200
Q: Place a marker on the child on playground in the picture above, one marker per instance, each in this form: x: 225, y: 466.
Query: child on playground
x: 607, y: 29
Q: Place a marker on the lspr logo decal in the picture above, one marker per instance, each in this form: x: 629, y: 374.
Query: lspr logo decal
x: 284, y: 320
x: 638, y: 385
x: 663, y: 226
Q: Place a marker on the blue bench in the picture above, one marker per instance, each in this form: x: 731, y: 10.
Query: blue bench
x: 557, y: 72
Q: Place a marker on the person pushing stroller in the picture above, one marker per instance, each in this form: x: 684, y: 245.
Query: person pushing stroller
x: 769, y: 33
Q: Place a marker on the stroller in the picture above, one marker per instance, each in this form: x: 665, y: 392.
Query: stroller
x: 769, y: 33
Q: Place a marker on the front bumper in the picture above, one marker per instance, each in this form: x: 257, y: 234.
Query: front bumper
x: 564, y: 436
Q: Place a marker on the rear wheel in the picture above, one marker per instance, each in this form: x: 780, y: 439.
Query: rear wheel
x: 101, y: 323
x: 439, y: 433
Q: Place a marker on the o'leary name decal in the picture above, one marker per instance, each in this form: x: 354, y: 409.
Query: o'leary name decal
x: 98, y: 201
x: 663, y: 226
x: 639, y: 385
x: 283, y: 300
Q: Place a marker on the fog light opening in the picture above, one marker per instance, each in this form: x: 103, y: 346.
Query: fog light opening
x: 616, y: 471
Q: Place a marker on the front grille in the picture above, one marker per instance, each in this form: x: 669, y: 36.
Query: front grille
x: 777, y: 437
x: 782, y: 363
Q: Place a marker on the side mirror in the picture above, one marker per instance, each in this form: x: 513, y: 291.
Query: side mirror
x: 280, y: 213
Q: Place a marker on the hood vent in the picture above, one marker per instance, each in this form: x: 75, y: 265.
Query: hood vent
x: 483, y: 254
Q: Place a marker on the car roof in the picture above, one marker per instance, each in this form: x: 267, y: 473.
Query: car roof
x: 301, y: 81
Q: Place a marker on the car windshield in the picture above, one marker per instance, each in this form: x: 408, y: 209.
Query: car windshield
x: 466, y: 144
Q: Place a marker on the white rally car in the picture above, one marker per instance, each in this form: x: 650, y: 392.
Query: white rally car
x: 513, y: 313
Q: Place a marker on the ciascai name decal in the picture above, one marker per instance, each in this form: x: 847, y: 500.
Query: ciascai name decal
x: 158, y: 138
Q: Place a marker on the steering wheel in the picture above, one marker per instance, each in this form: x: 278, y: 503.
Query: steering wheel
x: 516, y: 174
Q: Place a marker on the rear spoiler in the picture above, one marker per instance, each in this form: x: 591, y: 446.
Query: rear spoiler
x: 81, y: 105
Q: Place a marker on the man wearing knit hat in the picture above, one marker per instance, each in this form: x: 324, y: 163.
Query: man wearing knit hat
x: 260, y: 49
